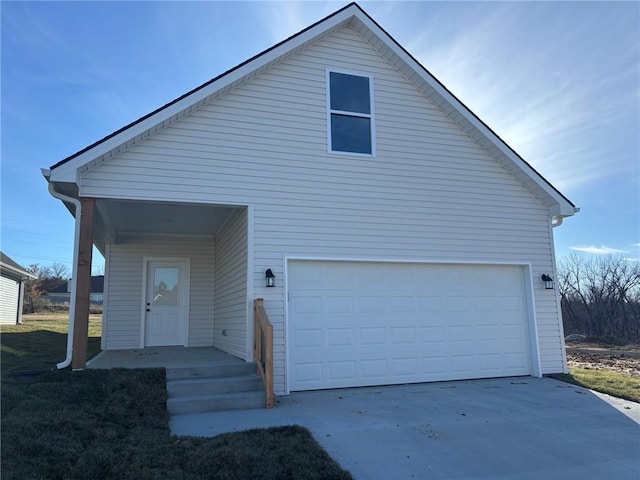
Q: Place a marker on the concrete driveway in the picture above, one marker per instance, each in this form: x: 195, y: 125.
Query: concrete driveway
x: 515, y: 428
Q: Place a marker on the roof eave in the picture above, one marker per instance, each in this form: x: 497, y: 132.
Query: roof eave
x: 67, y: 169
x: 16, y: 273
x: 554, y: 196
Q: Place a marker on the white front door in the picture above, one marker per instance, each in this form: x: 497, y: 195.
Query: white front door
x: 166, y: 304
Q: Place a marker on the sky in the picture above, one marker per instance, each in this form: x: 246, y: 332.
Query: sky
x: 558, y: 81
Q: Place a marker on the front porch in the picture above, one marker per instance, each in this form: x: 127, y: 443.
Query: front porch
x: 199, y: 379
x: 176, y: 274
x: 163, y: 357
x: 206, y: 379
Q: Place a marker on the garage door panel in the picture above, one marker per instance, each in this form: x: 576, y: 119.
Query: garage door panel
x: 369, y: 277
x: 353, y: 323
x: 370, y: 336
x: 339, y: 303
x: 434, y: 365
x: 404, y: 367
x: 400, y: 304
x: 306, y: 304
x: 490, y: 362
x: 341, y: 370
x: 370, y: 304
x: 374, y: 369
x: 402, y: 335
x: 462, y: 363
x: 340, y: 337
x: 433, y: 334
x: 307, y: 338
x: 487, y: 332
x: 308, y: 373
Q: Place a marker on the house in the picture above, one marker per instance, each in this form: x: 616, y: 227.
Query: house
x: 393, y: 236
x: 62, y: 293
x: 12, y: 279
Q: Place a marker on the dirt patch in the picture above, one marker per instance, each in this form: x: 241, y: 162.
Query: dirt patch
x: 624, y: 360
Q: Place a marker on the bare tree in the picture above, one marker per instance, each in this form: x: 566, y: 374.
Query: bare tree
x: 600, y: 296
x: 59, y: 271
x: 47, y: 278
x: 33, y: 287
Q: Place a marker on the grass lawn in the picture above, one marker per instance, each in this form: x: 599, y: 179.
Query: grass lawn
x: 613, y: 383
x: 41, y: 342
x: 107, y: 424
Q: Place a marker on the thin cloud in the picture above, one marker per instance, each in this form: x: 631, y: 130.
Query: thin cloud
x: 601, y: 250
x: 283, y: 19
x: 533, y: 94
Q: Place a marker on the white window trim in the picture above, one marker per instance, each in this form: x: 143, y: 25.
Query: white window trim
x: 351, y: 114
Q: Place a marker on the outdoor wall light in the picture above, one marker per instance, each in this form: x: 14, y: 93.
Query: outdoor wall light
x: 548, y: 281
x: 270, y: 278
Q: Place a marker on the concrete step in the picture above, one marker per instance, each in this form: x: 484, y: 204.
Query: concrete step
x: 215, y: 402
x: 214, y: 388
x: 207, y: 386
x: 210, y: 371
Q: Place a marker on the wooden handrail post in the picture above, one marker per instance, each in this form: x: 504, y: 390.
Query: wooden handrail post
x: 263, y: 349
x: 269, y: 367
x: 257, y: 335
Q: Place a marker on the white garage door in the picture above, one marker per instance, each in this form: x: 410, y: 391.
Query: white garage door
x: 366, y: 323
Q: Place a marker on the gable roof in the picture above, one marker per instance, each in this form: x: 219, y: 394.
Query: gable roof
x: 97, y: 285
x: 354, y: 16
x: 10, y: 268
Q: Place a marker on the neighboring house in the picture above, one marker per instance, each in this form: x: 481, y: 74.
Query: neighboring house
x: 62, y: 293
x: 12, y: 278
x: 407, y: 240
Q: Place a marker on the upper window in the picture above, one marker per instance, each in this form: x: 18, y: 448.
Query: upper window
x: 350, y: 122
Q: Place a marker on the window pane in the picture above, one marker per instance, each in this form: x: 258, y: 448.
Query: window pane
x: 350, y: 134
x: 165, y: 286
x: 349, y: 93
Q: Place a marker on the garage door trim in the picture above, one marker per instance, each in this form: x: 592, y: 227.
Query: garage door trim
x: 536, y: 366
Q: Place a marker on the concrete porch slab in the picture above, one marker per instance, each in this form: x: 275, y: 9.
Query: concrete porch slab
x: 159, y: 357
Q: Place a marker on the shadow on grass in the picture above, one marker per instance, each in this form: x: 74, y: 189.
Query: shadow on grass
x: 36, y: 350
x: 605, y: 382
x: 104, y: 424
x: 567, y: 378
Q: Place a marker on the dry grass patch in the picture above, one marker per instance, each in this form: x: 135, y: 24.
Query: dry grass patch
x: 611, y: 383
x: 41, y: 342
x: 107, y: 424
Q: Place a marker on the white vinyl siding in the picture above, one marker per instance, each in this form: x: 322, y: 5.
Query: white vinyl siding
x: 9, y: 291
x: 125, y: 290
x: 230, y: 306
x: 431, y: 193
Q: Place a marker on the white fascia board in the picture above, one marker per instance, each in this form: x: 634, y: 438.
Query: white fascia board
x: 563, y: 209
x: 68, y: 172
x: 561, y: 203
x: 16, y: 272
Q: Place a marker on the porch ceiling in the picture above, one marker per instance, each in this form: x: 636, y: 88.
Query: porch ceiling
x: 116, y: 218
